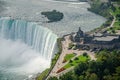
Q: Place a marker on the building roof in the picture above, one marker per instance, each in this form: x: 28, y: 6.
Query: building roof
x: 98, y: 34
x: 106, y: 38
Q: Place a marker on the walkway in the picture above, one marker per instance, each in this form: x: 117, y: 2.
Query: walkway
x: 114, y: 19
x: 65, y: 51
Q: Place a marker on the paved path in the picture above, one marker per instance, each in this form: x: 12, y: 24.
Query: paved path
x: 118, y: 32
x: 65, y: 51
x: 111, y: 25
x: 114, y: 19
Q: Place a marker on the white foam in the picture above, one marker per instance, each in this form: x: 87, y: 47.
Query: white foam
x: 25, y: 47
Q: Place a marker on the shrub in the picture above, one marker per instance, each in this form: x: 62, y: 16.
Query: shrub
x: 53, y: 16
x: 70, y: 61
x: 85, y: 54
x: 76, y: 58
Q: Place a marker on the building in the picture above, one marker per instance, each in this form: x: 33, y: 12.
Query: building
x: 79, y: 36
x: 95, y: 41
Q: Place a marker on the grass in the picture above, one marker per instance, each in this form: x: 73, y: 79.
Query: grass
x: 69, y: 56
x: 117, y: 11
x: 117, y: 23
x: 55, y: 59
x: 74, y: 62
x: 42, y: 75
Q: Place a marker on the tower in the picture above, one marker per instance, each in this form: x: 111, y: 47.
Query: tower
x: 79, y: 37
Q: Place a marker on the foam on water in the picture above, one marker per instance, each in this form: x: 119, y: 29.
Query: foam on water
x: 25, y: 47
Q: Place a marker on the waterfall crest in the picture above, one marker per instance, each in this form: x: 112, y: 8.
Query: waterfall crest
x: 28, y: 46
x: 39, y: 38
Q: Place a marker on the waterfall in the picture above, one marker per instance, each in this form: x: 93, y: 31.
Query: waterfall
x: 25, y: 47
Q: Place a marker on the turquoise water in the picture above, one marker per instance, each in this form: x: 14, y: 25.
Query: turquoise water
x: 25, y: 49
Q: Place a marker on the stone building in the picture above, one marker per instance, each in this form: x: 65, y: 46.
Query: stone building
x: 79, y: 36
x: 96, y: 40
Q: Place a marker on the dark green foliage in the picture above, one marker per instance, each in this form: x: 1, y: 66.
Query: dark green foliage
x: 118, y: 17
x: 85, y: 54
x: 80, y: 68
x: 81, y: 77
x: 70, y: 61
x: 113, y: 8
x: 118, y: 70
x: 76, y: 58
x: 106, y: 67
x: 53, y: 78
x: 93, y: 76
x: 59, y: 44
x: 53, y: 16
x: 68, y: 76
x: 100, y: 8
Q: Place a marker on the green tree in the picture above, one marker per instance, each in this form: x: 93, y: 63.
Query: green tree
x: 85, y: 54
x: 106, y: 72
x: 81, y: 77
x: 53, y: 15
x: 93, y: 76
x: 53, y: 78
x: 118, y: 70
x: 80, y: 68
x: 68, y: 76
x: 70, y: 61
x: 108, y: 77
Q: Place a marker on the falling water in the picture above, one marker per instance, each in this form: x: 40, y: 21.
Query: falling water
x: 25, y: 48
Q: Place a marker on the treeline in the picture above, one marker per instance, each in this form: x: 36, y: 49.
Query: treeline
x: 101, y: 8
x: 106, y: 67
x: 59, y: 44
x: 104, y: 8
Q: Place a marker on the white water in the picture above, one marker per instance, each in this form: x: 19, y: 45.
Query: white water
x: 25, y: 48
x: 23, y: 45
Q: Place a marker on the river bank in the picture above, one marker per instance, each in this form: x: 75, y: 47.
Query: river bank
x: 108, y: 24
